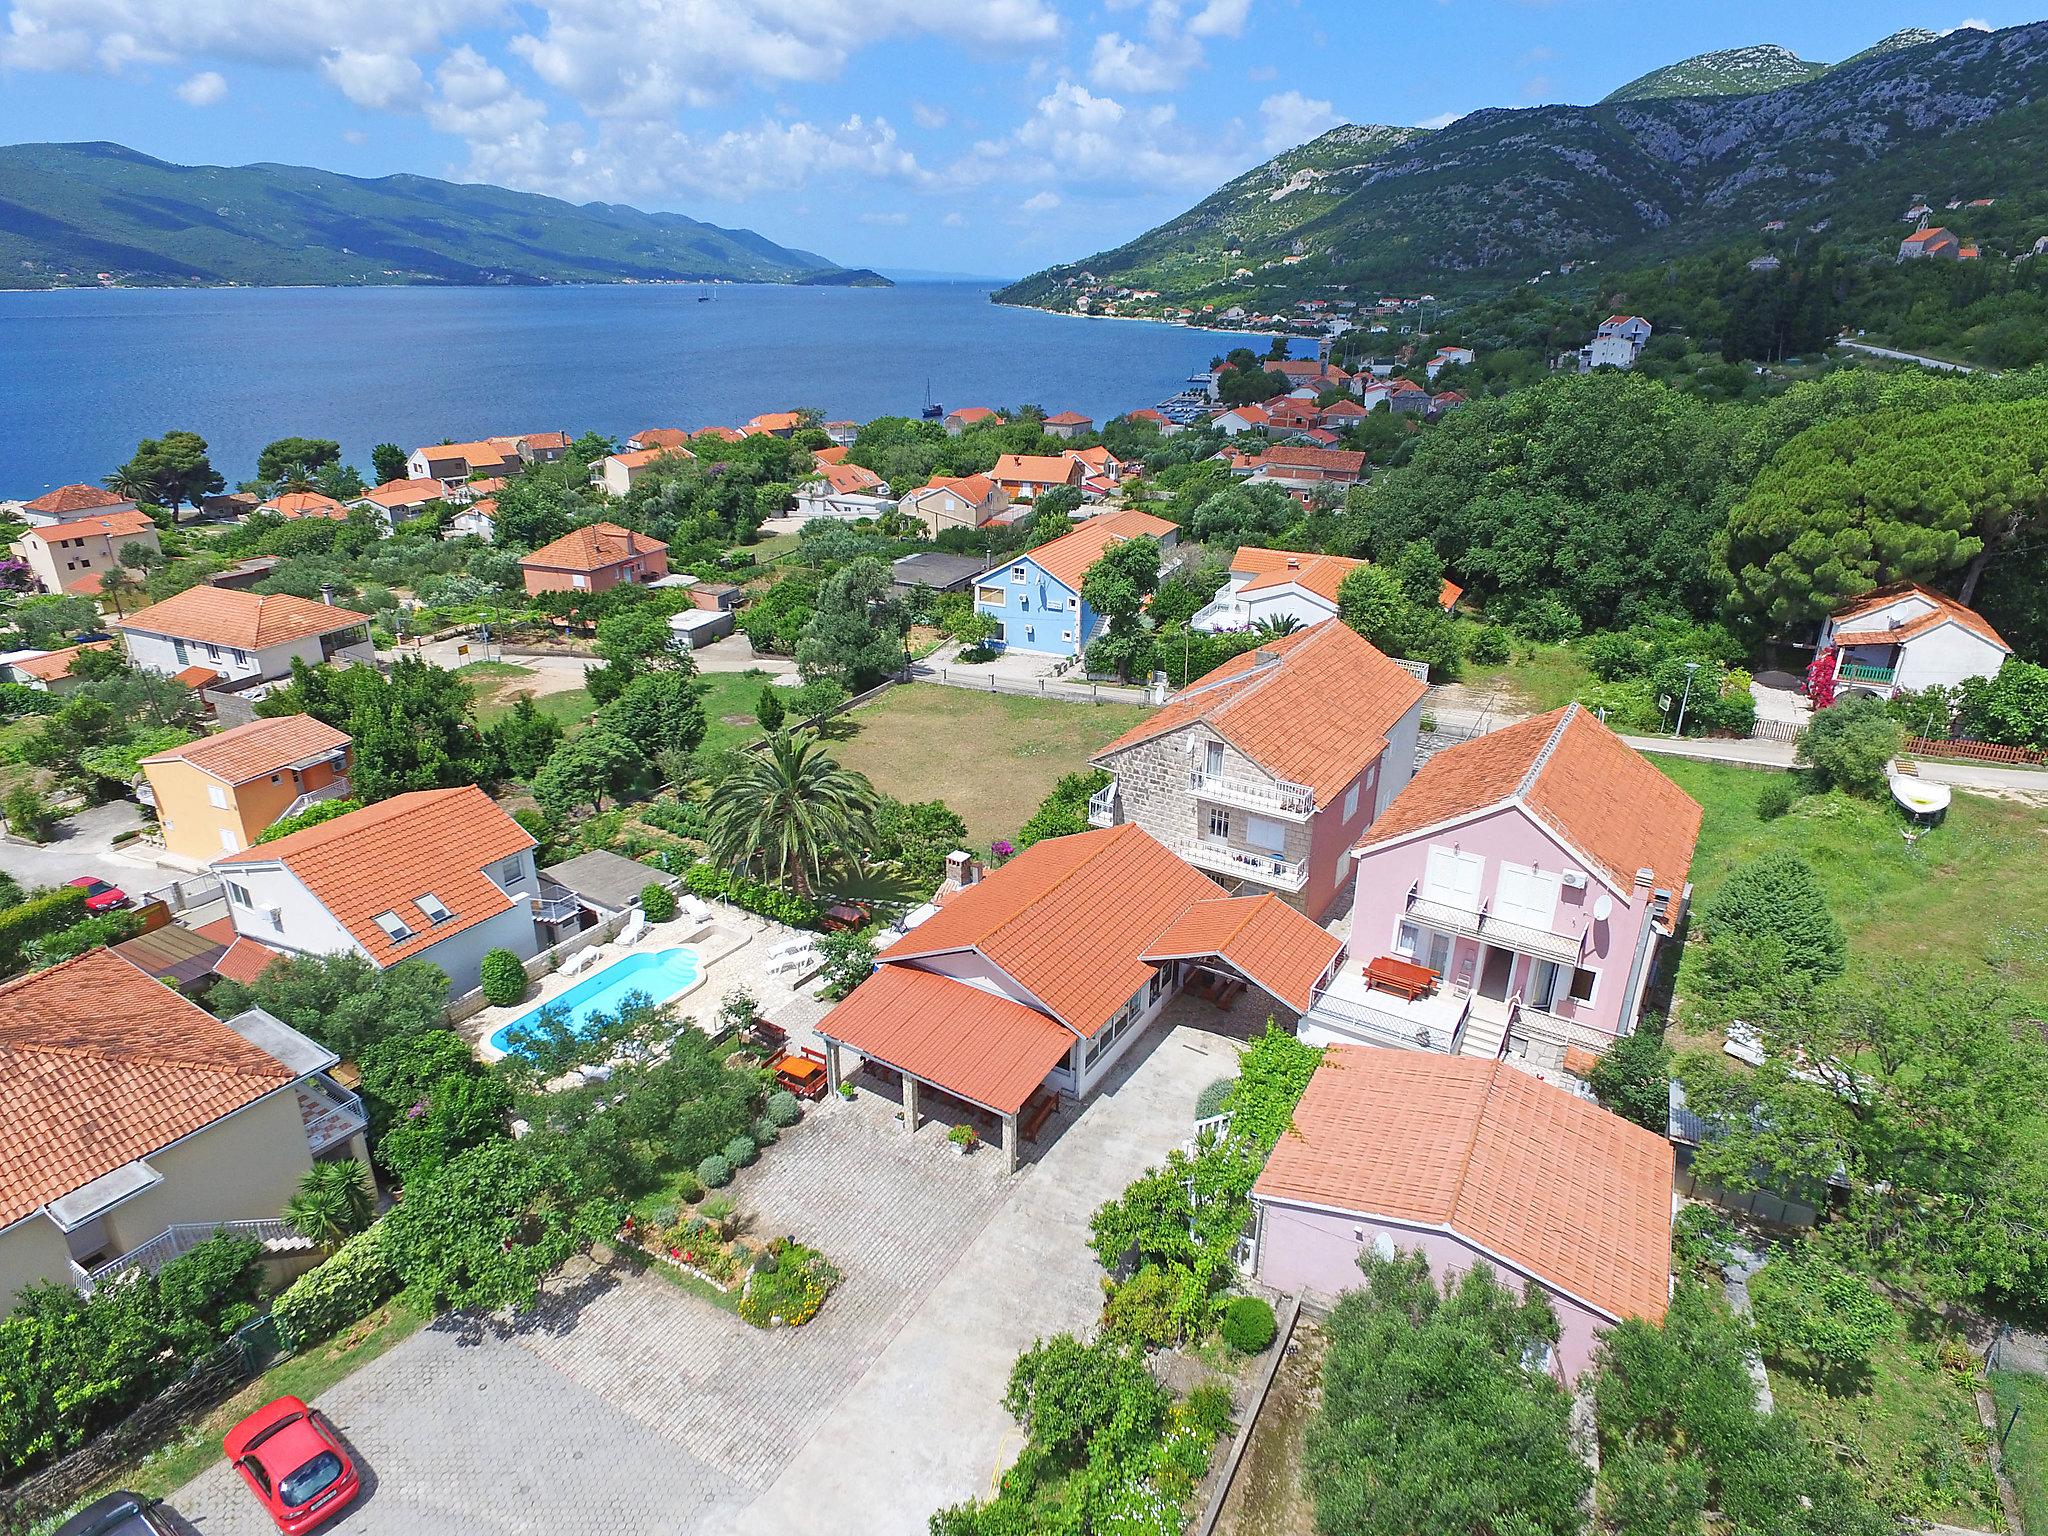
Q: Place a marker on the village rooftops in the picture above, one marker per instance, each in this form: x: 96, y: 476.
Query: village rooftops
x: 1547, y: 1183
x: 849, y: 479
x: 660, y: 437
x: 247, y: 621
x: 1070, y: 419
x: 1067, y: 558
x: 1342, y: 461
x: 101, y: 1065
x: 593, y: 547
x: 382, y: 859
x: 112, y: 525
x: 70, y: 500
x: 258, y: 749
x: 1311, y: 708
x: 1321, y: 574
x: 1036, y: 468
x: 640, y: 458
x: 1572, y: 774
x: 403, y: 493
x: 973, y: 488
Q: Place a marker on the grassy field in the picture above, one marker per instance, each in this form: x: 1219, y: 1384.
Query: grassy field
x: 1971, y: 892
x: 2026, y: 1448
x: 729, y: 699
x: 991, y: 757
x: 1541, y: 677
x: 496, y: 685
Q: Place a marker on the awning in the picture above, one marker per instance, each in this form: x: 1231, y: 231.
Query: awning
x: 1261, y: 937
x: 974, y: 1044
x: 72, y: 1211
x: 1540, y: 942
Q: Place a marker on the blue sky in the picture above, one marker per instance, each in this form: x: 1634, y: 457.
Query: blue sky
x: 988, y: 137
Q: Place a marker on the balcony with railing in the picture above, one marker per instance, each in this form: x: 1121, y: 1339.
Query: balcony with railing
x: 181, y: 1239
x: 1244, y: 863
x: 1102, y: 806
x: 329, y: 1112
x: 1348, y: 1006
x: 1445, y: 917
x: 1863, y: 672
x: 1275, y: 797
x: 335, y: 790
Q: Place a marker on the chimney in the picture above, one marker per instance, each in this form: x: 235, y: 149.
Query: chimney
x: 327, y: 593
x: 1293, y: 564
x: 961, y: 870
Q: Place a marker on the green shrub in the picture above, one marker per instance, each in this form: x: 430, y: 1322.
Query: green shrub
x: 1633, y: 1078
x: 503, y: 978
x: 1778, y: 796
x: 347, y: 1286
x: 1702, y: 1239
x: 1144, y: 1309
x: 1849, y: 743
x: 27, y: 814
x: 1248, y: 1325
x: 741, y: 1151
x: 1207, y: 1408
x: 658, y: 902
x: 1209, y: 1101
x: 689, y: 1188
x: 35, y: 917
x: 783, y: 1110
x: 311, y: 816
x: 713, y: 882
x: 1806, y: 1303
x: 1776, y: 900
x: 715, y: 1172
x: 763, y: 1132
x: 1488, y: 647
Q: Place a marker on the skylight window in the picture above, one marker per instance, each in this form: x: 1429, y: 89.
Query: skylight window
x: 394, y: 928
x: 436, y: 910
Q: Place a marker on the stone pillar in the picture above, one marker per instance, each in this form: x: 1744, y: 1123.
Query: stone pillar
x: 909, y: 1105
x: 1009, y: 1143
x: 832, y: 1066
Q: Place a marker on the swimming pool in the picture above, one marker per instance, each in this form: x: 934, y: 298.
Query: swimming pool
x: 659, y: 974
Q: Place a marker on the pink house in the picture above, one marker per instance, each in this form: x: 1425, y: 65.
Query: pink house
x: 1514, y: 899
x: 1469, y: 1162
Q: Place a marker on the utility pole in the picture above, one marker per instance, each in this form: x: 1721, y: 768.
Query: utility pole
x: 1690, y: 668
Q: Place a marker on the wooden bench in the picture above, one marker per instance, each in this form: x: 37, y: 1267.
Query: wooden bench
x: 1403, y: 978
x: 1037, y: 1111
x: 803, y: 1075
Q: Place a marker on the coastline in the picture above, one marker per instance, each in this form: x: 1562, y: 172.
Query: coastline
x: 1178, y: 325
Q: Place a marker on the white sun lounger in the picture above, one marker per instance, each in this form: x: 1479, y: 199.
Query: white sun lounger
x: 636, y: 928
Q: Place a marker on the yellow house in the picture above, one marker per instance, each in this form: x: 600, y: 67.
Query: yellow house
x: 217, y: 794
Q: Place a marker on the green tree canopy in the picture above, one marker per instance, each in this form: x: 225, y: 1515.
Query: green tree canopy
x: 411, y: 730
x: 295, y: 457
x: 170, y: 471
x: 342, y: 1001
x: 856, y: 634
x: 387, y: 462
x: 789, y: 812
x: 587, y: 770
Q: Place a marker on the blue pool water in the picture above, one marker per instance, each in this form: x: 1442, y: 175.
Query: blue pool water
x: 658, y: 974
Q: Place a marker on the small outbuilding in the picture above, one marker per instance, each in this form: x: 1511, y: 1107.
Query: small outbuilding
x: 606, y: 883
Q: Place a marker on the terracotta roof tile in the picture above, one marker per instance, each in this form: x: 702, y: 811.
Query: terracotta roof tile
x: 593, y: 547
x: 973, y: 1043
x: 248, y: 621
x: 849, y: 479
x: 1313, y: 708
x: 661, y: 437
x: 67, y: 499
x: 1555, y: 1186
x: 403, y: 493
x: 836, y: 454
x: 968, y: 415
x: 100, y: 1065
x: 1343, y: 460
x: 640, y: 458
x: 261, y: 747
x: 974, y: 488
x: 1261, y: 936
x: 1945, y: 610
x: 293, y: 505
x: 383, y: 857
x: 1036, y: 469
x: 111, y: 525
x: 195, y: 676
x: 245, y: 960
x: 775, y: 421
x: 91, y: 584
x: 1067, y: 558
x: 1070, y: 419
x: 52, y: 666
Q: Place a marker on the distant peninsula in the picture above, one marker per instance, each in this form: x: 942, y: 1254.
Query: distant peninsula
x: 84, y: 215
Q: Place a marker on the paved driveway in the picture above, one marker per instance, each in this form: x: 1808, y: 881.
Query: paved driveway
x: 84, y: 845
x: 626, y: 1406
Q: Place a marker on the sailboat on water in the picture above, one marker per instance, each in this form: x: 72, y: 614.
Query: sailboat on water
x: 933, y: 411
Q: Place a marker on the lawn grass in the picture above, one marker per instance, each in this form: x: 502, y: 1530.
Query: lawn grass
x: 1971, y: 892
x: 991, y: 757
x: 729, y: 700
x: 2026, y: 1448
x: 494, y: 687
x: 1539, y: 677
x: 1910, y: 1432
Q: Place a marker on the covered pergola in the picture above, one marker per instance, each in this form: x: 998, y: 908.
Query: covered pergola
x: 1259, y: 938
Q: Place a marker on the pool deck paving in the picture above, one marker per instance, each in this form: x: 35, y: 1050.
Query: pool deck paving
x: 623, y: 1404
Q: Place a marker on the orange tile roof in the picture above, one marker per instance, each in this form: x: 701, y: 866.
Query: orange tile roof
x: 1314, y: 707
x: 1922, y: 237
x: 1036, y: 469
x: 968, y: 415
x: 1343, y: 460
x: 53, y: 666
x: 1097, y: 457
x: 640, y: 458
x: 100, y: 1065
x: 383, y: 857
x: 719, y: 434
x: 248, y: 621
x: 1557, y: 1187
x: 592, y: 548
x: 1320, y: 574
x: 1253, y: 415
x: 261, y: 747
x: 541, y: 442
x: 847, y: 479
x: 73, y: 498
x: 661, y: 437
x: 836, y: 454
x: 109, y: 525
x: 297, y: 504
x: 1946, y: 610
x: 491, y: 453
x: 972, y: 1043
x: 91, y: 584
x: 195, y: 676
x: 974, y: 488
x: 1067, y: 558
x: 1067, y: 919
x: 1261, y: 936
x: 403, y: 493
x: 245, y: 960
x: 775, y: 421
x: 1070, y: 419
x: 1573, y: 775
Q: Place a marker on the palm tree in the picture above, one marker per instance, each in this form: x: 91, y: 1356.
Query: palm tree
x: 1275, y: 625
x: 789, y: 811
x: 128, y: 482
x: 334, y: 1202
x: 119, y: 582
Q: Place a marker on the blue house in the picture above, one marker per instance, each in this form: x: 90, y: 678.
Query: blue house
x: 1036, y: 596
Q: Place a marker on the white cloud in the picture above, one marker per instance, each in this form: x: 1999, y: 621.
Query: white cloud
x: 955, y: 220
x: 1041, y: 202
x: 111, y: 34
x: 1292, y: 118
x: 1220, y: 18
x: 204, y: 89
x: 1076, y: 135
x: 380, y: 81
x: 927, y: 116
x: 1170, y: 49
x: 355, y: 136
x: 885, y: 220
x: 1441, y: 120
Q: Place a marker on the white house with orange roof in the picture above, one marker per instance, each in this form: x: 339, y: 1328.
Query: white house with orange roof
x: 1280, y: 584
x: 1029, y: 984
x: 455, y: 464
x: 955, y: 501
x: 68, y: 503
x: 1468, y: 1163
x: 1905, y: 637
x: 440, y: 875
x: 844, y: 491
x: 395, y: 501
x: 968, y: 416
x: 292, y: 506
x: 242, y: 638
x: 1035, y: 596
x: 1069, y: 424
x: 1265, y: 772
x: 617, y: 473
x: 774, y: 424
x: 1936, y: 244
x: 1027, y: 476
x: 76, y: 554
x: 1515, y: 899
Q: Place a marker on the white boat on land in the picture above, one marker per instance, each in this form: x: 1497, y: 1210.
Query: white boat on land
x: 1917, y: 797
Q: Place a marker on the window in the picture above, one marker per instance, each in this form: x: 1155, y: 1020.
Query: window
x: 394, y: 929
x: 436, y: 910
x: 1526, y: 895
x: 1016, y: 573
x: 227, y: 840
x: 1351, y: 802
x: 1219, y: 823
x: 1545, y: 983
x: 1156, y: 986
x: 278, y: 778
x: 238, y: 894
x: 1265, y: 834
x: 241, y: 657
x: 178, y: 650
x: 1030, y: 633
x: 579, y: 582
x: 1212, y: 764
x: 217, y: 797
x: 1582, y: 985
x: 1425, y: 946
x: 1453, y: 878
x: 989, y: 595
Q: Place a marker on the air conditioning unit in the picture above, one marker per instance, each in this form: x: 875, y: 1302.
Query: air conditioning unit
x: 1574, y: 881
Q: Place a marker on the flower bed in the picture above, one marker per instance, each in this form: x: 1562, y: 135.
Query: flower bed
x: 791, y: 1289
x: 781, y: 1282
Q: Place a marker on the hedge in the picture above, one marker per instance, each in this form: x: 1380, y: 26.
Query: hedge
x: 714, y: 882
x: 349, y: 1285
x: 502, y: 977
x: 35, y: 917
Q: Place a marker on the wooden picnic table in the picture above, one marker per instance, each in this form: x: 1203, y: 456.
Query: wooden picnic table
x: 1404, y: 978
x: 801, y: 1075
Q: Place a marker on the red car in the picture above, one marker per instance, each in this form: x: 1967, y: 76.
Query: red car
x: 99, y: 895
x: 294, y: 1462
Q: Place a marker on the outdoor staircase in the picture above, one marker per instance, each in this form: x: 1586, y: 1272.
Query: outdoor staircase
x: 1486, y: 1030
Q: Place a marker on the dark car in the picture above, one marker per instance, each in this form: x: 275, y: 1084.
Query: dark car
x: 293, y: 1461
x: 119, y: 1514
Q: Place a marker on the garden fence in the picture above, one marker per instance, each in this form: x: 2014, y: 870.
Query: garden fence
x: 1975, y: 751
x: 212, y: 1379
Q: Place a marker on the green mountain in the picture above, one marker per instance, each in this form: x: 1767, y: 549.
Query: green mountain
x: 1730, y: 72
x: 1502, y: 195
x: 71, y: 211
x: 1905, y: 37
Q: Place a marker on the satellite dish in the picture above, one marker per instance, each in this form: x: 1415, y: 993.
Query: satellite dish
x: 1603, y: 909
